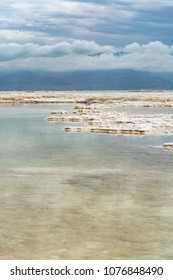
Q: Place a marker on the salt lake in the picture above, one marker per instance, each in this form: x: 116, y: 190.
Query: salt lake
x: 82, y: 196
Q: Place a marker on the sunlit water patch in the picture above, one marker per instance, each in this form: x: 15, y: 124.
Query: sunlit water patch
x: 81, y: 196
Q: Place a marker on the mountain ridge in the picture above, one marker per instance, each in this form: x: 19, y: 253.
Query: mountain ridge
x: 85, y: 80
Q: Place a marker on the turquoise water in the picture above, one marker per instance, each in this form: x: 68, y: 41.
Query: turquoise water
x: 82, y: 196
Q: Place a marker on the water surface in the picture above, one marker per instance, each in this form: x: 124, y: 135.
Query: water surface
x: 82, y: 196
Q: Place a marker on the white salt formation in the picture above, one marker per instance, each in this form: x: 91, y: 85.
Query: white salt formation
x: 98, y: 119
x: 168, y: 146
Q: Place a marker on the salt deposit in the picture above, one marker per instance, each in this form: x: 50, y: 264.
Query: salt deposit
x: 117, y: 99
x: 113, y: 122
x: 168, y: 146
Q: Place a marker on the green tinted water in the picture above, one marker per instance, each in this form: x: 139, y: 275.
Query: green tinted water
x: 81, y: 196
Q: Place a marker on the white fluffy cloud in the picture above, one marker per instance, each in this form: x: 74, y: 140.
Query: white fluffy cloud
x: 84, y: 55
x: 13, y: 51
x: 151, y: 48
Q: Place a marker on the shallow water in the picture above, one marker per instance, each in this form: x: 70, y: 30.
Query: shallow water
x: 81, y: 196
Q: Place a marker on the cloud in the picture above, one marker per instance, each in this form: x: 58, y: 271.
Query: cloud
x: 151, y: 48
x: 58, y: 19
x: 13, y: 51
x: 103, y: 21
x: 86, y: 55
x: 147, y: 4
x: 86, y: 34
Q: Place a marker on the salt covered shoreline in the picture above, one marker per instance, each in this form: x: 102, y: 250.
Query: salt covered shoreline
x: 118, y: 99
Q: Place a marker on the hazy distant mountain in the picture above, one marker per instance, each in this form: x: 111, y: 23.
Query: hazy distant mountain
x: 85, y: 80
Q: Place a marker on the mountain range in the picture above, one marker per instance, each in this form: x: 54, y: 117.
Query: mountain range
x: 85, y: 80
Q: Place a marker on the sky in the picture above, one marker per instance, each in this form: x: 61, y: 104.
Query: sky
x: 60, y: 35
